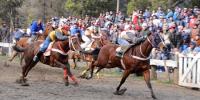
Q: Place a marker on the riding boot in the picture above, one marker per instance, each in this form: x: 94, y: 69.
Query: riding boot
x: 37, y: 56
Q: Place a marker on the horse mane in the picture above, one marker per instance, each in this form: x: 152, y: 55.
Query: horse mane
x: 134, y: 45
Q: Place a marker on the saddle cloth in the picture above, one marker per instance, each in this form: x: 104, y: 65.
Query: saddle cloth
x: 48, y: 50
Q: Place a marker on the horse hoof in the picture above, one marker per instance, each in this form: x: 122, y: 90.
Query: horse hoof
x: 76, y: 84
x: 24, y: 84
x: 82, y: 76
x: 120, y: 92
x: 66, y: 83
x: 154, y: 97
x: 19, y: 81
x: 88, y: 78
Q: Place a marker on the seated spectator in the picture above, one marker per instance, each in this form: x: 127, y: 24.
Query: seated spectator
x: 192, y: 49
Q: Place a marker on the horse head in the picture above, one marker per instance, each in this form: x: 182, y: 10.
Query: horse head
x: 156, y: 40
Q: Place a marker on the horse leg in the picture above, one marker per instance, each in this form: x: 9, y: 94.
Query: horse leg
x: 125, y: 75
x: 22, y: 79
x: 21, y: 58
x: 74, y: 61
x: 147, y: 80
x: 67, y: 71
x: 25, y: 72
x: 66, y: 77
x: 97, y: 72
x: 91, y: 70
x: 14, y: 55
x: 83, y: 74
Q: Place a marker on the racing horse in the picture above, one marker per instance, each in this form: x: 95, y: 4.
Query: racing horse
x: 86, y: 55
x: 23, y: 42
x: 57, y: 58
x: 134, y: 60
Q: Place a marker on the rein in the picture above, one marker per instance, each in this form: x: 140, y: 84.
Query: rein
x: 72, y: 44
x: 59, y: 47
x: 141, y: 58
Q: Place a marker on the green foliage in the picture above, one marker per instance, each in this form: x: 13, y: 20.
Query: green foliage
x: 137, y: 4
x: 9, y: 8
x: 89, y: 7
x: 192, y: 3
x: 142, y: 4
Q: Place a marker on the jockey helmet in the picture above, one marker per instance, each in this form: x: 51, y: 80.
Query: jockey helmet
x: 65, y: 27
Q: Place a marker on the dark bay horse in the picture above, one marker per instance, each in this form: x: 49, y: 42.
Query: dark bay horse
x: 23, y: 42
x: 58, y: 58
x: 135, y: 60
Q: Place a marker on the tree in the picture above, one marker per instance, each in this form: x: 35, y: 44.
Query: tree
x: 89, y: 7
x: 8, y: 11
x: 137, y: 4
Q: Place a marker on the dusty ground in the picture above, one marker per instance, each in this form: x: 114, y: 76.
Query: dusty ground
x: 46, y: 84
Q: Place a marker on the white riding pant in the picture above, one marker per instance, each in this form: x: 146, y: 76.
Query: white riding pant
x: 86, y: 40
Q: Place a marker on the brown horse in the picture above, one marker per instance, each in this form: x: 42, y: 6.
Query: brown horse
x: 91, y: 57
x: 135, y: 60
x: 58, y: 58
x: 23, y: 42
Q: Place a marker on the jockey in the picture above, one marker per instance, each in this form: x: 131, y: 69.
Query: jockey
x: 90, y: 33
x: 75, y: 30
x: 126, y: 38
x: 36, y: 27
x: 18, y: 34
x: 57, y: 34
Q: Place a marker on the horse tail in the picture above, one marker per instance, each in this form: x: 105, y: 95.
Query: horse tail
x: 18, y: 48
x: 96, y: 51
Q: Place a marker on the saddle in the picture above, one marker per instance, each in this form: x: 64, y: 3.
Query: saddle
x: 122, y: 49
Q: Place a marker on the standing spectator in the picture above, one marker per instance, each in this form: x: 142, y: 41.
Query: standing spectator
x: 169, y: 13
x: 160, y: 12
x: 4, y: 33
x: 137, y: 21
x: 195, y: 33
x: 147, y: 13
x: 174, y: 37
x: 192, y: 21
x: 185, y: 38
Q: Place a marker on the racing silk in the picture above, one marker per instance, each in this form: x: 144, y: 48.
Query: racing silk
x: 53, y: 36
x: 74, y: 31
x: 57, y: 35
x: 36, y: 28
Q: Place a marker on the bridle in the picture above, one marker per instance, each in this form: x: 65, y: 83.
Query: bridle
x: 144, y: 58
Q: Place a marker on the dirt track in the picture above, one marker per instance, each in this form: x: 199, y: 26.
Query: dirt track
x: 46, y: 84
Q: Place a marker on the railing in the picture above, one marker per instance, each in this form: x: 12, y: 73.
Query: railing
x: 7, y: 45
x: 188, y: 68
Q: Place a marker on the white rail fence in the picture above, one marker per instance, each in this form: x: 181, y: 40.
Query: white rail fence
x: 6, y: 45
x: 188, y: 67
x: 189, y: 70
